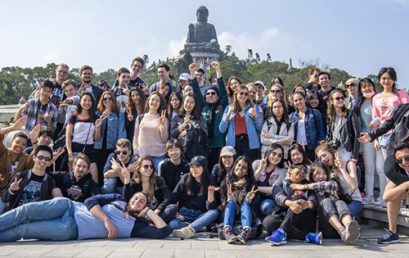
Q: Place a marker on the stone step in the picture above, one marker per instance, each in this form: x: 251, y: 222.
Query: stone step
x: 376, y: 215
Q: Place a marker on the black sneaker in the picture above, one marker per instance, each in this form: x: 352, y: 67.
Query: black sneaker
x: 389, y: 238
x: 244, y: 235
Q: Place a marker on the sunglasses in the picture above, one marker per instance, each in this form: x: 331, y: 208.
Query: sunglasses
x: 275, y: 91
x: 350, y: 85
x: 39, y: 157
x: 339, y: 98
x: 104, y: 99
x: 211, y: 93
x: 148, y: 167
x: 244, y: 93
x: 400, y: 161
x: 121, y: 152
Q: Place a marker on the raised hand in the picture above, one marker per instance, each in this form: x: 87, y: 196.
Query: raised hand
x: 20, y: 122
x: 162, y: 118
x: 192, y: 67
x: 230, y: 193
x: 129, y: 115
x: 57, y: 153
x: 250, y: 195
x: 35, y: 133
x: 253, y: 112
x: 115, y: 165
x: 215, y: 65
x: 213, y: 189
x: 15, y: 186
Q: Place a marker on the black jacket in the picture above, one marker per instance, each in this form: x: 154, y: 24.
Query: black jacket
x: 349, y: 133
x: 399, y: 121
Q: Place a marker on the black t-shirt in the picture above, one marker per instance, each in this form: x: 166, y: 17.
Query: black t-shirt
x: 172, y: 173
x: 31, y: 192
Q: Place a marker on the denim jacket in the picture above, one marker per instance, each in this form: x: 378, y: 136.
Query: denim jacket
x: 314, y: 127
x: 253, y: 127
x: 116, y: 130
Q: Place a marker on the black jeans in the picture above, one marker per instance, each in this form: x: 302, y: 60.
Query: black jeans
x: 242, y: 148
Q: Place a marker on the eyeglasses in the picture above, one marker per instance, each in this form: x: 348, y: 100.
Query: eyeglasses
x: 121, y: 152
x: 244, y: 93
x: 350, y: 85
x: 211, y: 93
x: 275, y: 91
x: 339, y: 98
x: 104, y: 99
x: 299, y: 173
x: 41, y: 158
x: 148, y: 167
x: 400, y: 161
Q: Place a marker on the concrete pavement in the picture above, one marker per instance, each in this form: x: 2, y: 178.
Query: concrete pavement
x: 203, y: 246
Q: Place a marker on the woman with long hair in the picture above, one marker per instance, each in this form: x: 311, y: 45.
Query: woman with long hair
x: 243, y: 123
x: 112, y: 129
x: 345, y: 174
x: 308, y: 125
x: 145, y: 180
x: 343, y: 127
x: 195, y: 195
x: 277, y: 128
x: 82, y: 131
x: 191, y: 127
x: 237, y: 192
x: 225, y: 165
x: 373, y: 158
x: 134, y: 106
x: 232, y: 86
x: 152, y: 130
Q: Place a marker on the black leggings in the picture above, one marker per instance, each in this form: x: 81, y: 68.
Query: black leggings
x: 243, y: 148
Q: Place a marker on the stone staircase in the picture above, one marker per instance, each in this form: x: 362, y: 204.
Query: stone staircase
x: 376, y: 215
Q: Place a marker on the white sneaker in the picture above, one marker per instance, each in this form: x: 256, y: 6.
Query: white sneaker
x: 368, y: 200
x: 380, y: 202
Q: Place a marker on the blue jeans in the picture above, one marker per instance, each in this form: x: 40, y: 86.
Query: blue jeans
x: 110, y: 187
x: 230, y: 214
x: 266, y: 206
x: 355, y: 208
x: 195, y: 218
x: 44, y: 220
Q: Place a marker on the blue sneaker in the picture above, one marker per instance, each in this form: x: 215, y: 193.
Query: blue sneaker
x: 279, y: 237
x: 314, y: 238
x: 389, y: 238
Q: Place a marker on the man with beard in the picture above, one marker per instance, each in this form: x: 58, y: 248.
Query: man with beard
x: 86, y: 84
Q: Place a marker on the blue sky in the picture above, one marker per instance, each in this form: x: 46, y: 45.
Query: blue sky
x: 358, y: 36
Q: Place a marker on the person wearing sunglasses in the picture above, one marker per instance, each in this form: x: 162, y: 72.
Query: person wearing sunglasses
x: 145, y: 179
x: 396, y: 190
x: 214, y: 102
x: 112, y: 129
x: 243, y: 122
x: 32, y: 185
x: 343, y: 127
x: 118, y: 160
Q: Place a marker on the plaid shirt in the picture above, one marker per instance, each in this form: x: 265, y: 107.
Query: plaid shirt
x: 326, y: 189
x: 33, y: 111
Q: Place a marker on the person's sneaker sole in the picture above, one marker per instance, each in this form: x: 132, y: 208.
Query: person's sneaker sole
x: 241, y: 239
x: 180, y: 234
x: 232, y: 240
x: 352, y: 232
x: 278, y: 243
x: 389, y: 242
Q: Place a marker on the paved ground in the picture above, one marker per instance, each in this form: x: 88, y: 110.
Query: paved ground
x: 205, y: 247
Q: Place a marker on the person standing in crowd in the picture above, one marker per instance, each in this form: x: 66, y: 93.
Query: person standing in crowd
x: 82, y: 131
x: 164, y: 76
x: 117, y: 161
x: 324, y: 79
x: 86, y: 74
x: 201, y: 80
x: 242, y: 122
x: 152, y: 130
x: 312, y: 82
x: 58, y: 95
x: 121, y: 91
x: 184, y: 79
x: 191, y: 127
x: 135, y: 106
x: 214, y: 102
x: 112, y: 129
x: 77, y: 184
x: 260, y: 92
x: 351, y: 87
x: 276, y: 92
x: 232, y: 86
x: 343, y: 128
x: 384, y: 103
x: 40, y: 110
x: 68, y: 106
x: 277, y: 128
x: 174, y: 105
x: 135, y: 81
x: 173, y: 168
x: 145, y: 180
x: 372, y: 155
x: 308, y: 125
x: 345, y: 174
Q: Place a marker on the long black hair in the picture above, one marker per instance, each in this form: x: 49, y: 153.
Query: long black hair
x: 360, y: 97
x: 250, y: 181
x: 205, y: 181
x: 92, y: 109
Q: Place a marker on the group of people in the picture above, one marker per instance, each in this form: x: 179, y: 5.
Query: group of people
x: 181, y: 157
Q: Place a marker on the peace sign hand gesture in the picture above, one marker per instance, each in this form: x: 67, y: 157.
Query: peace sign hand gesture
x: 162, y: 118
x: 250, y: 195
x: 15, y: 186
